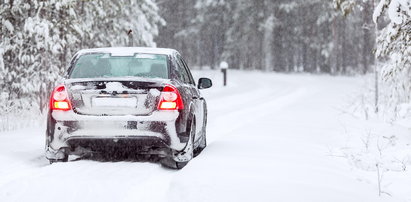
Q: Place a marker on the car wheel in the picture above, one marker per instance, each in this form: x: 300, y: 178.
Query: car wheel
x: 65, y: 159
x: 202, y: 145
x: 188, y: 151
x: 171, y: 163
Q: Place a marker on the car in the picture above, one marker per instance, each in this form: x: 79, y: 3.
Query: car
x: 143, y: 100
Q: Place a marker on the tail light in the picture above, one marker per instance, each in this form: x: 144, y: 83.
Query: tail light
x: 59, y: 99
x: 170, y: 99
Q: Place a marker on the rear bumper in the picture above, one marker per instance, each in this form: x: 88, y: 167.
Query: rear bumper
x: 69, y: 131
x: 164, y: 116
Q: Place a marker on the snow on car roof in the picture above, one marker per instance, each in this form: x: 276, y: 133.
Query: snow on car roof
x: 128, y: 51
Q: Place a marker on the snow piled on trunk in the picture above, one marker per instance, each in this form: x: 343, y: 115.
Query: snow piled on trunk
x: 271, y: 137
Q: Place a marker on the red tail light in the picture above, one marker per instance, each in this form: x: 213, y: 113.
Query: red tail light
x: 59, y: 99
x: 170, y: 99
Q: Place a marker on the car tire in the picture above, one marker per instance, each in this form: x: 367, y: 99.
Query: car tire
x: 202, y: 145
x: 65, y: 159
x: 170, y: 162
x: 51, y: 161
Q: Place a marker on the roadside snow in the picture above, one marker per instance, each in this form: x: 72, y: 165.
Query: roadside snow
x: 115, y: 86
x: 271, y: 137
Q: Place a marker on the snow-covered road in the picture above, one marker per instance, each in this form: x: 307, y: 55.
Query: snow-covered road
x: 269, y: 137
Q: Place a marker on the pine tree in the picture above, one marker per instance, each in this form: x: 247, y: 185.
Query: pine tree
x: 38, y: 38
x: 393, y: 45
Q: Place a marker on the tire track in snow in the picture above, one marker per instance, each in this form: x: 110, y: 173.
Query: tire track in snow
x: 256, y: 98
x: 229, y: 121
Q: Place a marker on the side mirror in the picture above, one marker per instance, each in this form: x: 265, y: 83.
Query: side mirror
x: 204, y: 83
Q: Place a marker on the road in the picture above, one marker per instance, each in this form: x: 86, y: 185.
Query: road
x: 269, y: 137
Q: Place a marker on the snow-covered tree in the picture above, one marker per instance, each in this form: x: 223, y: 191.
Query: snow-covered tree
x: 108, y: 23
x: 38, y: 38
x: 394, y: 46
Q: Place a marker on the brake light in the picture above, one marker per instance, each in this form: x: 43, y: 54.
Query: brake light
x: 170, y: 99
x: 59, y: 99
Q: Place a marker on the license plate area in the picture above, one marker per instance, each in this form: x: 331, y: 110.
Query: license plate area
x: 120, y: 102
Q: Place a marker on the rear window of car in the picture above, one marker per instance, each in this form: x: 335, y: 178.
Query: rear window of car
x: 100, y: 65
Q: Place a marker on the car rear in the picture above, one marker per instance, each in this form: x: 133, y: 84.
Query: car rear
x: 115, y: 100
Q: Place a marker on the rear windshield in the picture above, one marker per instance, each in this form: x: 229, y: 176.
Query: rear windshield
x: 105, y: 65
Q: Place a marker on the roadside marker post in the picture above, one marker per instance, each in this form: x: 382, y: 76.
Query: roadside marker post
x: 224, y: 67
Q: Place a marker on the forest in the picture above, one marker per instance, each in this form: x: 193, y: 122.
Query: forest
x: 282, y: 36
x: 340, y: 37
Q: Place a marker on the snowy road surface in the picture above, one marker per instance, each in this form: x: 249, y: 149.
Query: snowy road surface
x: 269, y: 137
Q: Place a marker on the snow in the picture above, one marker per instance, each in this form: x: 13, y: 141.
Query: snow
x: 99, y: 132
x: 271, y: 137
x: 114, y: 102
x: 131, y: 78
x: 115, y: 86
x: 378, y: 10
x: 8, y: 25
x: 398, y: 10
x: 393, y: 12
x: 2, y: 67
x: 128, y: 51
x: 155, y: 116
x: 77, y: 87
x: 393, y: 50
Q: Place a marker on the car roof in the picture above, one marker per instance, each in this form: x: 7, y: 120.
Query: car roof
x: 128, y: 51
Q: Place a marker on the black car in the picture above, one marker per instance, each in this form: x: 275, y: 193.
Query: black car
x: 144, y: 100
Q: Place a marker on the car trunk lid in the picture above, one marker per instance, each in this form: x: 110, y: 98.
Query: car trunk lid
x: 106, y: 97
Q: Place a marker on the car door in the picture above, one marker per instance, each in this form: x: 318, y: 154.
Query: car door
x: 196, y: 96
